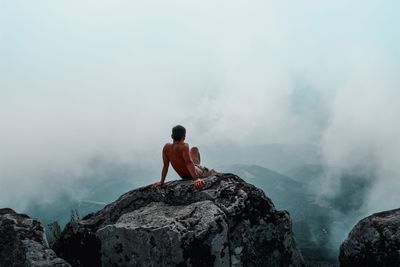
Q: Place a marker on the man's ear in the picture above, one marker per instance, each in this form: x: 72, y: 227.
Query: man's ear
x: 171, y: 136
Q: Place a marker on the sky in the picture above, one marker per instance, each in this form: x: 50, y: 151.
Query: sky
x: 85, y: 78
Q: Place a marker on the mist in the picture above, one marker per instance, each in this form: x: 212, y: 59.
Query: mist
x: 82, y: 80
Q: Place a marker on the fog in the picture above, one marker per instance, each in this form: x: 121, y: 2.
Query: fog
x: 87, y: 79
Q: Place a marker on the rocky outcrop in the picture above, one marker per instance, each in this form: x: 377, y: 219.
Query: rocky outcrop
x: 227, y: 223
x: 23, y: 242
x: 374, y: 241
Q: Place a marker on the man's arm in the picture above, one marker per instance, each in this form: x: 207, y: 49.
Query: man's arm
x: 198, y: 183
x: 164, y: 170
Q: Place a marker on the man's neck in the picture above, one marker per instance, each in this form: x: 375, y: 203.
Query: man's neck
x: 178, y: 142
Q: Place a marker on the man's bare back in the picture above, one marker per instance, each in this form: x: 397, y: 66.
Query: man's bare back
x: 182, y: 159
x: 179, y: 156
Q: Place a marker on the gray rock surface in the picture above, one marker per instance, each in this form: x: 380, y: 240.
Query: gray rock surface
x: 374, y: 241
x: 23, y: 242
x: 227, y: 223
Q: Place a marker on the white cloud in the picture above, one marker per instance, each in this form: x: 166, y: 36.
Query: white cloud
x: 81, y: 78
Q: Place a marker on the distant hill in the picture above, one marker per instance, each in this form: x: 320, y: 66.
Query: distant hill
x: 307, y: 173
x: 279, y: 157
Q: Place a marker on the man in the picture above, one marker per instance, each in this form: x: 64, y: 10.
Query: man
x: 185, y: 162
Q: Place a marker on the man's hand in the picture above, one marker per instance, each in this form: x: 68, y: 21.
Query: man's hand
x: 157, y: 185
x: 198, y: 183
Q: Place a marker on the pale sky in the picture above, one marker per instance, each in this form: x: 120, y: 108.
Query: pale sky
x: 82, y: 78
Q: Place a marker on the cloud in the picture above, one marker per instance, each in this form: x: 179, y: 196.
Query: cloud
x: 81, y: 79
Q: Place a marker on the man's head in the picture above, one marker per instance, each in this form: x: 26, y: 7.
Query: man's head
x: 178, y: 133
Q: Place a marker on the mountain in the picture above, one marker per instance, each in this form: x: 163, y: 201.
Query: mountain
x: 279, y: 157
x: 306, y: 173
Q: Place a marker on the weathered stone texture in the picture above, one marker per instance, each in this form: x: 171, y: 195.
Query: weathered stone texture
x: 23, y: 242
x: 374, y: 241
x: 227, y: 223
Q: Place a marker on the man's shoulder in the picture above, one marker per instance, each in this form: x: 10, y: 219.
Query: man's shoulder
x: 181, y: 145
x: 167, y: 146
x: 185, y: 146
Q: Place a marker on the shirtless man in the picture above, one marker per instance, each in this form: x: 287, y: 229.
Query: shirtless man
x: 185, y: 162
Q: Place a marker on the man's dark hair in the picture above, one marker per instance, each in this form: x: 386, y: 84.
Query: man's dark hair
x: 178, y: 132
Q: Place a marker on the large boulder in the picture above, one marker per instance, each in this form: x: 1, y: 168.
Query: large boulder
x: 23, y: 242
x: 227, y: 223
x: 374, y: 241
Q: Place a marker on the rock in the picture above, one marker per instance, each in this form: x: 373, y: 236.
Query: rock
x: 23, y: 242
x: 374, y: 241
x: 227, y: 223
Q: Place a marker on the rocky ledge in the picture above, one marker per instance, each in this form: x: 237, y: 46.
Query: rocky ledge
x: 227, y: 223
x: 23, y: 242
x: 374, y: 241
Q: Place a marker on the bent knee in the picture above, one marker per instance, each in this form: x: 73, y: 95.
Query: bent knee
x: 195, y: 149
